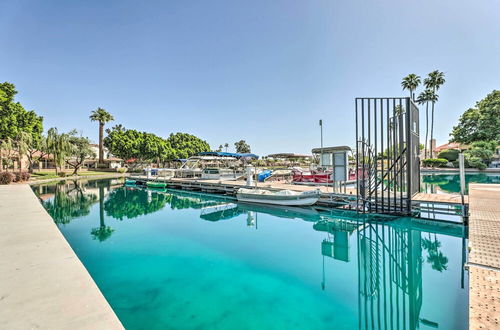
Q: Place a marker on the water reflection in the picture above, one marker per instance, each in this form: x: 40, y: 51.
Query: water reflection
x: 450, y: 183
x: 390, y: 255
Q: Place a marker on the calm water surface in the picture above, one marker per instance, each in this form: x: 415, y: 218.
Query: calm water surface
x: 178, y: 260
x: 450, y: 183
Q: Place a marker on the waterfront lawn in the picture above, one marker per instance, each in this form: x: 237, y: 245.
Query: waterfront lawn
x: 52, y: 175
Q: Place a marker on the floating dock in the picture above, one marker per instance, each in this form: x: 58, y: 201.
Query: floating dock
x: 484, y: 256
x: 427, y: 205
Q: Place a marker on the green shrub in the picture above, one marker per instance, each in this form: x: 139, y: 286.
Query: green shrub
x: 62, y: 174
x: 21, y: 176
x: 121, y: 169
x: 25, y: 176
x: 434, y: 162
x: 102, y: 166
x: 476, y: 162
x: 6, y: 177
x: 450, y: 154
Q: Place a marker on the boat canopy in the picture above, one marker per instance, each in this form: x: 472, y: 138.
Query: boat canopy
x: 228, y: 154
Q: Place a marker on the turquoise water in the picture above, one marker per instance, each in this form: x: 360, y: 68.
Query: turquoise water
x: 450, y: 183
x: 165, y: 260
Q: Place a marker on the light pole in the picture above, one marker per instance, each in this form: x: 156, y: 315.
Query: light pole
x: 321, y: 155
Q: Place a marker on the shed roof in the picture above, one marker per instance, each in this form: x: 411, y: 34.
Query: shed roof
x: 331, y: 149
x: 289, y: 155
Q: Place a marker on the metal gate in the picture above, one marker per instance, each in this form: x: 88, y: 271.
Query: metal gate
x: 387, y: 154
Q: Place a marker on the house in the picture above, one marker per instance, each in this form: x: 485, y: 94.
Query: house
x: 450, y: 145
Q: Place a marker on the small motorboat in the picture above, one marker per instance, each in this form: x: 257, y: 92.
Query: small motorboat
x: 130, y: 182
x: 282, y: 197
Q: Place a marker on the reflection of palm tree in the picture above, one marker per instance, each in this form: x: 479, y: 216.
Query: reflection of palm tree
x: 103, y: 232
x: 435, y: 257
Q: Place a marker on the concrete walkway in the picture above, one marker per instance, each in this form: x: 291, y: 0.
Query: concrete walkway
x: 43, y: 284
x: 484, y: 256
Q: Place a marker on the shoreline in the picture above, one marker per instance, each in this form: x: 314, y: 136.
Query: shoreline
x: 425, y: 170
x: 76, y: 177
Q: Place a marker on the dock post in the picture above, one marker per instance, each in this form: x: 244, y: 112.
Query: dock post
x: 461, y: 165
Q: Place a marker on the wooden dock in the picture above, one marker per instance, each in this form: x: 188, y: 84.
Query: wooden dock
x: 484, y: 256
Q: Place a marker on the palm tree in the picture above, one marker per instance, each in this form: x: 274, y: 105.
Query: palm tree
x: 102, y: 116
x: 424, y: 97
x: 226, y: 146
x: 411, y: 83
x: 434, y: 81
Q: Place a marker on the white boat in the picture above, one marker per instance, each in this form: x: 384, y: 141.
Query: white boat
x: 211, y: 173
x: 282, y: 197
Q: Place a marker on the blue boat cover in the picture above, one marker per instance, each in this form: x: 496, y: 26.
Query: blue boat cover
x: 263, y: 175
x: 227, y: 154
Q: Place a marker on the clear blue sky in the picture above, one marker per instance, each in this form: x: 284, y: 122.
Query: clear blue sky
x: 263, y: 71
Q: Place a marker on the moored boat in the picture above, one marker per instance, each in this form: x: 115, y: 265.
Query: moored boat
x: 154, y: 184
x: 282, y: 197
x: 130, y: 182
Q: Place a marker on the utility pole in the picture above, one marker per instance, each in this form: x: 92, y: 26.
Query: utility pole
x: 321, y: 155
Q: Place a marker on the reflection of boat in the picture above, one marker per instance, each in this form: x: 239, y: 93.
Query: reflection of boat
x: 153, y: 184
x: 304, y: 213
x: 220, y: 212
x: 283, y: 197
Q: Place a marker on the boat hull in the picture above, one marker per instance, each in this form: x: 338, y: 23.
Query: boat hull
x: 284, y: 200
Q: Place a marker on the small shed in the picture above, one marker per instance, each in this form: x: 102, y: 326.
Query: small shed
x: 336, y: 159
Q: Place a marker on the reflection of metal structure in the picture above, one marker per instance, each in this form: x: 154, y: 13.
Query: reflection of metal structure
x: 220, y: 212
x: 390, y: 277
x: 336, y: 245
x: 388, y: 173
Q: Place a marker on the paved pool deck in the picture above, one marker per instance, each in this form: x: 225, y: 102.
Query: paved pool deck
x: 43, y: 284
x: 484, y: 256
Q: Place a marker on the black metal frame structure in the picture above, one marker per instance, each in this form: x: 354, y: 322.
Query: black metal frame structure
x: 387, y: 154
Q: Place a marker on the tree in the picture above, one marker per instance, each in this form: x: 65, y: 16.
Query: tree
x: 79, y: 151
x: 425, y: 97
x: 58, y: 146
x: 186, y: 145
x: 226, y: 145
x: 480, y: 154
x: 102, y: 116
x: 242, y: 147
x: 411, y: 83
x: 219, y: 149
x: 433, y: 82
x: 13, y: 117
x: 481, y: 123
x: 6, y: 148
x: 37, y: 149
x: 142, y: 147
x: 18, y: 127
